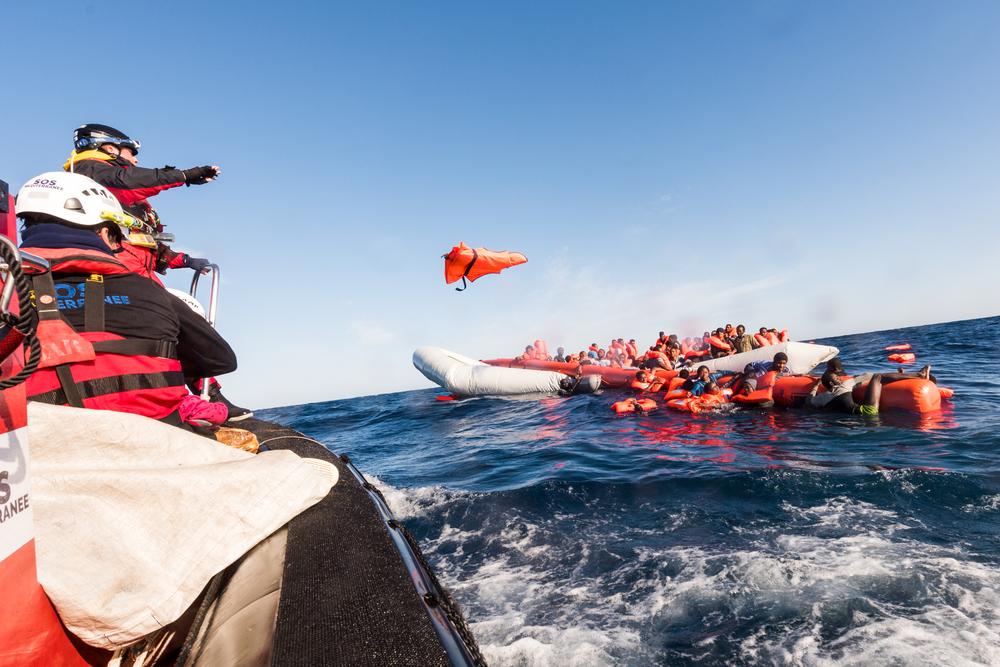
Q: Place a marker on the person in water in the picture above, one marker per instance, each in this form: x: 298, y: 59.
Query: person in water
x: 703, y: 378
x: 840, y: 389
x: 779, y: 365
x: 146, y: 341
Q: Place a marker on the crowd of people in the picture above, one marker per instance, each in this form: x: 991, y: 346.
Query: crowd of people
x: 698, y: 383
x: 136, y: 347
x: 669, y: 351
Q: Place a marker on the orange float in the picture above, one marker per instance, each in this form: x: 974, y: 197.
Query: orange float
x: 914, y: 395
x: 760, y: 398
x: 696, y: 404
x: 902, y: 347
x: 630, y: 405
x: 903, y: 358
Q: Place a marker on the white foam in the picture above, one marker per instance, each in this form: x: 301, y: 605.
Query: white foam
x: 538, y: 599
x: 413, y: 502
x: 985, y: 504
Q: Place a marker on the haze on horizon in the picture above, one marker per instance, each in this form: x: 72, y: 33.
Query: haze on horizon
x: 829, y: 169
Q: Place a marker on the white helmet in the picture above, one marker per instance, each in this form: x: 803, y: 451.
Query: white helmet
x: 72, y: 198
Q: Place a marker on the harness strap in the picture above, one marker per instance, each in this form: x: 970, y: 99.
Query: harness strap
x: 138, y: 347
x: 475, y: 256
x: 43, y: 286
x: 93, y: 303
x: 70, y: 390
x: 108, y: 385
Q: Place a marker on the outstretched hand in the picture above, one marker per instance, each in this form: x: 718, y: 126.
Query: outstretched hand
x: 196, y: 263
x: 201, y: 175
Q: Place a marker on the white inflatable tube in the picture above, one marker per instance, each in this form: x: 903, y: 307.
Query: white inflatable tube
x: 802, y: 357
x: 463, y: 376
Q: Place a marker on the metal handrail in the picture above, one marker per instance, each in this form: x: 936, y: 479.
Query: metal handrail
x: 8, y: 284
x: 213, y: 307
x: 213, y: 295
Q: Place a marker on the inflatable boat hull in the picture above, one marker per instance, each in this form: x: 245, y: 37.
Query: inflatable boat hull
x: 610, y: 377
x: 802, y: 357
x: 464, y: 376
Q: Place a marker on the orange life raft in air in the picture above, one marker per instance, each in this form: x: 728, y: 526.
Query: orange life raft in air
x: 902, y: 347
x: 465, y: 263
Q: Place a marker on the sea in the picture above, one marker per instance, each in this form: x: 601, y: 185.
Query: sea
x: 573, y: 536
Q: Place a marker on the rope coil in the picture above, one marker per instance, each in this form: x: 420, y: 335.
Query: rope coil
x: 25, y: 323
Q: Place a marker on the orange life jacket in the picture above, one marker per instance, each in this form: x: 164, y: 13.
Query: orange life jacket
x: 719, y: 344
x: 465, y: 263
x: 634, y: 405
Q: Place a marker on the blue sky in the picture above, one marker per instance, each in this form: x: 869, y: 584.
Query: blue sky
x: 829, y: 168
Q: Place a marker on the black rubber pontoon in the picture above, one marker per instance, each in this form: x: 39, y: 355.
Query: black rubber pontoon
x: 355, y: 588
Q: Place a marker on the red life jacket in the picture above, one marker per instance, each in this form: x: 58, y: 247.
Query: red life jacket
x: 94, y: 368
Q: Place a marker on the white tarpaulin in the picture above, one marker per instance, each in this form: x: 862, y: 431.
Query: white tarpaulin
x: 134, y: 517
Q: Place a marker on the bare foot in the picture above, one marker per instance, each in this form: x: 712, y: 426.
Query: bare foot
x: 925, y: 372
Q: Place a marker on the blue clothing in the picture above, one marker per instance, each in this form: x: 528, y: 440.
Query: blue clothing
x: 761, y: 367
x: 698, y: 386
x: 52, y: 235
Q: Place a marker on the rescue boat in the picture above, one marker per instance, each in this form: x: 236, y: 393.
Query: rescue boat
x: 341, y: 581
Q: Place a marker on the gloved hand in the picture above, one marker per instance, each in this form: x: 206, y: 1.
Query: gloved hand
x: 196, y: 263
x: 200, y: 175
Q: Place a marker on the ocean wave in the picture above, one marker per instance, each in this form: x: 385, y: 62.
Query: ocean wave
x: 573, y: 537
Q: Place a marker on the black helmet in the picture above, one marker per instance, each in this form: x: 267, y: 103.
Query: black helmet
x: 95, y: 135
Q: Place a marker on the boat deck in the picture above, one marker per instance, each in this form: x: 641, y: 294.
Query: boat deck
x: 347, y: 597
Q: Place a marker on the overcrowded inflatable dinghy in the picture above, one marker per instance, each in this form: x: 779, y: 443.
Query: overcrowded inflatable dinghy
x: 465, y: 377
x: 802, y: 357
